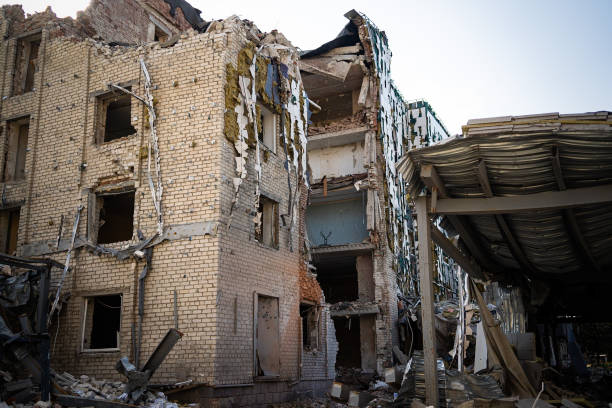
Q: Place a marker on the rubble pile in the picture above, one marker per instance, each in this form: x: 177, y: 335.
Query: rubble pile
x: 88, y: 387
x: 91, y: 388
x: 349, y: 122
x: 85, y: 387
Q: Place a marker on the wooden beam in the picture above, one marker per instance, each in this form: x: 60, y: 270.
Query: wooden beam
x: 515, y: 248
x: 336, y: 70
x: 513, y: 245
x: 426, y: 268
x: 556, y: 165
x: 451, y: 250
x: 548, y: 200
x: 569, y: 217
x: 432, y: 180
x: 483, y: 179
x: 470, y: 239
x: 350, y: 49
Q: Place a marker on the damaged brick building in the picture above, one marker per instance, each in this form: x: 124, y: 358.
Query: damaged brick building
x: 164, y: 159
x: 359, y: 222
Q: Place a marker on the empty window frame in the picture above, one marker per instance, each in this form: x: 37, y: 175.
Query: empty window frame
x: 102, y: 323
x: 111, y: 217
x: 267, y: 231
x: 113, y: 116
x: 309, y: 314
x: 157, y: 31
x: 9, y: 227
x: 160, y: 35
x: 266, y: 123
x: 266, y: 336
x: 26, y: 63
x: 15, y: 149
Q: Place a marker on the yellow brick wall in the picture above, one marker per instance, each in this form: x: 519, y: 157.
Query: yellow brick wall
x: 248, y: 266
x: 189, y: 93
x: 208, y: 273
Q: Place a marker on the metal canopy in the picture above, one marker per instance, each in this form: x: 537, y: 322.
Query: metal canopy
x: 528, y: 193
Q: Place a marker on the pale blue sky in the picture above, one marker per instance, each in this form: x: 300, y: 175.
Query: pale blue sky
x: 469, y: 59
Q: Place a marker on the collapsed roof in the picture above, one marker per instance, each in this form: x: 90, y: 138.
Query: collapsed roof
x: 563, y: 243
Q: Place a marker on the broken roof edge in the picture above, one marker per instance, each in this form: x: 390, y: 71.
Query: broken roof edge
x: 81, y: 26
x: 414, y: 104
x: 71, y: 33
x: 191, y: 14
x: 349, y: 35
x: 595, y: 117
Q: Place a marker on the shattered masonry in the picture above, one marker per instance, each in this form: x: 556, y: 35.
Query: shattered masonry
x: 402, y: 127
x: 361, y: 130
x: 160, y: 115
x: 202, y: 167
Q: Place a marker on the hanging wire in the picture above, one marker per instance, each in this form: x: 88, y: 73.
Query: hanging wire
x: 107, y: 306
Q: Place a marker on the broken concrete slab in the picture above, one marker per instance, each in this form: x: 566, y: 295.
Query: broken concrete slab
x: 359, y: 398
x: 394, y: 375
x: 340, y: 391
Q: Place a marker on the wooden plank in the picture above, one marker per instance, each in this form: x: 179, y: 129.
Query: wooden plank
x: 427, y: 307
x: 548, y: 200
x: 336, y: 70
x: 451, y: 250
x: 480, y: 359
x: 502, y: 224
x: 483, y: 178
x: 350, y: 49
x: 432, y: 180
x: 569, y: 217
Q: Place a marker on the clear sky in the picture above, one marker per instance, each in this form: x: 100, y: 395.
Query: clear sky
x: 469, y: 59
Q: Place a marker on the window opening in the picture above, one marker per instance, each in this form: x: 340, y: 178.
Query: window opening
x: 160, y: 35
x: 26, y: 64
x: 267, y: 132
x: 16, y: 148
x: 116, y: 217
x: 267, y: 233
x: 102, y: 323
x: 114, y: 116
x: 9, y: 224
x: 310, y: 326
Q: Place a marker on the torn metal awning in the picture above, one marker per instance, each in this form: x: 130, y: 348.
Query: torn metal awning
x: 529, y: 194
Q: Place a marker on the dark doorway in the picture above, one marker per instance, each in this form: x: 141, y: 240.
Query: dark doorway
x: 347, y: 334
x: 337, y: 275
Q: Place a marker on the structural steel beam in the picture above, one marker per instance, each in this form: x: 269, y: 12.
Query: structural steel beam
x: 571, y: 223
x: 426, y: 268
x: 548, y: 200
x: 451, y: 250
x: 432, y: 180
x: 502, y: 224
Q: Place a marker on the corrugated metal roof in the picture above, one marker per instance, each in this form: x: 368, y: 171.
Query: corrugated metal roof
x: 518, y: 152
